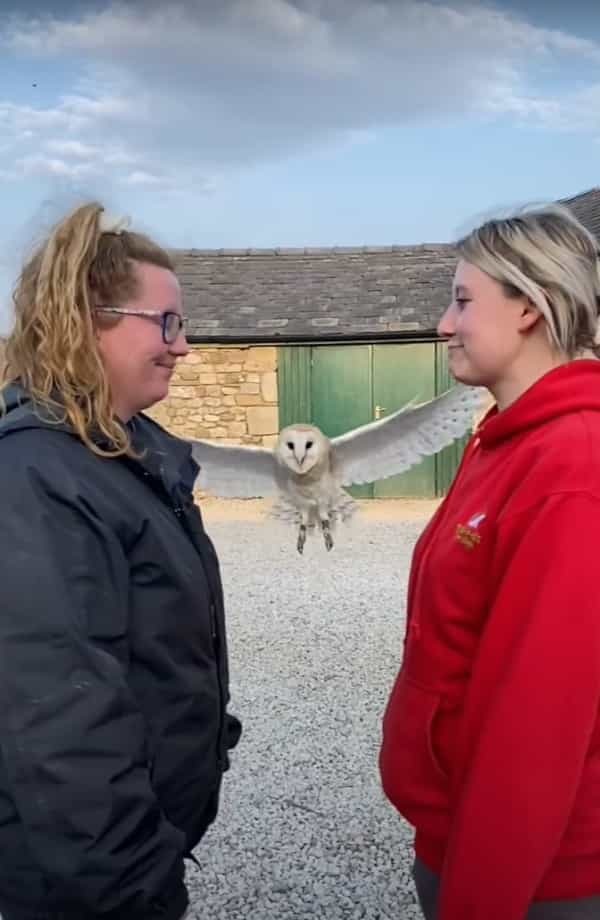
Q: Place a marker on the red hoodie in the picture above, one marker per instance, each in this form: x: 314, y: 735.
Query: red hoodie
x: 491, y: 737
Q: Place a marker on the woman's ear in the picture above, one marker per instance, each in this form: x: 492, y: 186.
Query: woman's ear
x: 530, y: 314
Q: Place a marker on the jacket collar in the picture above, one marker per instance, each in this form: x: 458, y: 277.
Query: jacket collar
x: 159, y: 454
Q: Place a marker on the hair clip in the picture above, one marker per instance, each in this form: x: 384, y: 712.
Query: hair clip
x: 112, y: 223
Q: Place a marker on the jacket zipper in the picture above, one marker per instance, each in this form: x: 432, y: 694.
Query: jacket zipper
x: 217, y: 649
x: 181, y: 513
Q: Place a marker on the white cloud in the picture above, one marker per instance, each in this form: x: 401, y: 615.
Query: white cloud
x: 41, y: 165
x: 577, y: 110
x: 72, y: 149
x: 193, y: 88
x: 25, y: 121
x: 69, y: 139
x: 139, y: 177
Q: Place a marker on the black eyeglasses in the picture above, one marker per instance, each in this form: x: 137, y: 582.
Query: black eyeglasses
x: 171, y: 323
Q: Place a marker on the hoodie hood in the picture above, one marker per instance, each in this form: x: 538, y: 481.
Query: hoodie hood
x: 572, y: 387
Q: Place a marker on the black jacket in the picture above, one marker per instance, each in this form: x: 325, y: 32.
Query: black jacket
x: 113, y: 673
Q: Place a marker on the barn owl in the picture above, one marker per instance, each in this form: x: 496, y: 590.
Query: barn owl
x: 308, y: 473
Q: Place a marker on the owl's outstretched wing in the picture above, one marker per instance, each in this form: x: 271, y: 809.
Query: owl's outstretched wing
x: 232, y: 471
x: 393, y: 444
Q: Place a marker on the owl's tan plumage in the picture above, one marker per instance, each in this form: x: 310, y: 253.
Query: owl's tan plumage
x: 309, y: 472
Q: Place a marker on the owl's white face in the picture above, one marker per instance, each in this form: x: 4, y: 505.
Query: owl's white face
x: 300, y: 447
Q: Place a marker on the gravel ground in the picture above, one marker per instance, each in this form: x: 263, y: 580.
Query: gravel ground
x: 304, y: 830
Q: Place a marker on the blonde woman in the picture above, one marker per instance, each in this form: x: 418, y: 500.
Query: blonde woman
x: 491, y: 737
x: 113, y: 663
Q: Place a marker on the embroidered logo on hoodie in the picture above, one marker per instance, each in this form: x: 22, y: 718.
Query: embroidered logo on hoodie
x: 467, y: 533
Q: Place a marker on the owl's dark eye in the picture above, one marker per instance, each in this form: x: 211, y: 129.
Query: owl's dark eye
x: 290, y: 445
x: 309, y: 444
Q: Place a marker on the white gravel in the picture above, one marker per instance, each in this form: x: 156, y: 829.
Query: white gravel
x: 304, y: 830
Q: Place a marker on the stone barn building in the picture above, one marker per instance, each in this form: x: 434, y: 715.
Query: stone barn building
x: 333, y: 336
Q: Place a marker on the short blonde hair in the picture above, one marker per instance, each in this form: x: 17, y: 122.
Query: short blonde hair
x: 547, y: 255
x: 52, y: 350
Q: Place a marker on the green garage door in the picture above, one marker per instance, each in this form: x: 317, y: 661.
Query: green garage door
x: 339, y: 387
x: 340, y: 392
x: 402, y: 373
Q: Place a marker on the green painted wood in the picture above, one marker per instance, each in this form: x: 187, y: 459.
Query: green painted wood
x: 337, y: 387
x: 293, y: 384
x: 341, y: 392
x: 402, y: 373
x: 448, y: 459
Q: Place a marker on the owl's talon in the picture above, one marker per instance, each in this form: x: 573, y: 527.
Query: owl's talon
x: 327, y: 535
x: 301, y: 538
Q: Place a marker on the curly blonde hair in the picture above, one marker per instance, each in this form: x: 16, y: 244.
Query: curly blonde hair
x: 52, y: 351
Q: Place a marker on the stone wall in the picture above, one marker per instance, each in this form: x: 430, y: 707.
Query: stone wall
x: 224, y: 394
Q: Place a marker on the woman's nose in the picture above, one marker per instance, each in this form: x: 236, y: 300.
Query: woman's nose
x: 446, y: 325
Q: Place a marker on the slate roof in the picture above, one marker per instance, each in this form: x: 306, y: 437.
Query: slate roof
x: 319, y: 294
x: 299, y: 294
x: 586, y: 207
x: 337, y: 293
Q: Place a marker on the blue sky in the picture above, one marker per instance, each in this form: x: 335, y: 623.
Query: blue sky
x: 293, y: 122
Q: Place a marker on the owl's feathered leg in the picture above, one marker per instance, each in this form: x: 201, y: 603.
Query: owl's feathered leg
x: 301, y: 538
x: 304, y: 524
x: 326, y: 521
x: 326, y: 528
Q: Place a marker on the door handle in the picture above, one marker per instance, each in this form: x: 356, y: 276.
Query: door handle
x: 379, y: 410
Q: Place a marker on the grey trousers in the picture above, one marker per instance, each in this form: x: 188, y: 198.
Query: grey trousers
x: 427, y: 884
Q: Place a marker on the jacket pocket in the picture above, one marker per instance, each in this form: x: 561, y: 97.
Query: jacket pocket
x: 412, y: 776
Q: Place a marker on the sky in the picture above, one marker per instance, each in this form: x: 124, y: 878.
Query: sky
x: 263, y: 123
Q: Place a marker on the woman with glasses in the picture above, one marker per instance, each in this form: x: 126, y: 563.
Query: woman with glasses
x: 114, y: 731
